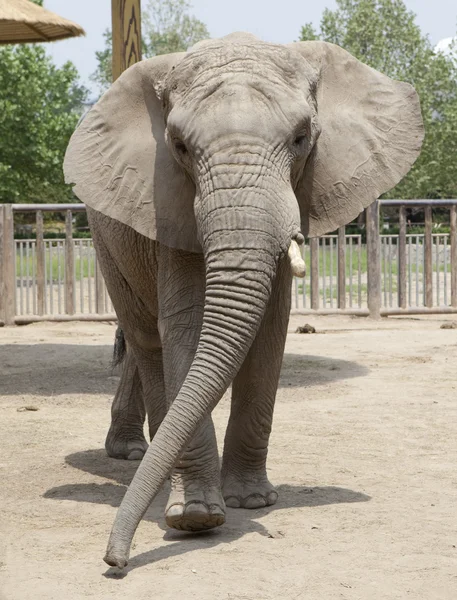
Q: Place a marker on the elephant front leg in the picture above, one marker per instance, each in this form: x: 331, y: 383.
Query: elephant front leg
x: 195, y: 501
x: 245, y: 482
x: 125, y: 437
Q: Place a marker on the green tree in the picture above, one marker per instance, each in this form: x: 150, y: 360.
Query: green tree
x: 39, y: 106
x: 384, y: 35
x: 166, y: 27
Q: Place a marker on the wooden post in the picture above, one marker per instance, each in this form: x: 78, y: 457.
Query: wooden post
x: 9, y: 265
x: 314, y: 250
x: 99, y: 289
x: 69, y: 265
x: 373, y: 260
x: 402, y: 259
x: 40, y: 266
x: 342, y: 267
x: 454, y: 256
x: 428, y: 258
x: 126, y: 24
x: 2, y: 266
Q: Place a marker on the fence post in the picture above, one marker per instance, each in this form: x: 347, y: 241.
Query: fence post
x: 314, y: 250
x: 454, y: 256
x: 99, y: 289
x: 40, y: 264
x: 9, y: 265
x: 402, y: 259
x: 126, y: 28
x: 69, y: 265
x: 373, y: 260
x: 2, y: 266
x: 428, y: 258
x: 342, y: 267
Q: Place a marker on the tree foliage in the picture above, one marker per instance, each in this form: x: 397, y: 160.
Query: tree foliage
x: 384, y: 35
x: 166, y: 27
x: 39, y: 106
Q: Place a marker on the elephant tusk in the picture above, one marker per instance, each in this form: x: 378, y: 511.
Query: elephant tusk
x: 296, y: 261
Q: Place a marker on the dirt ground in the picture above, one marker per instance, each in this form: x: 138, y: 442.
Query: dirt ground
x: 363, y: 452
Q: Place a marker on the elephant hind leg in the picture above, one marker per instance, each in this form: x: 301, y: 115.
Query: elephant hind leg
x: 141, y: 391
x: 125, y: 437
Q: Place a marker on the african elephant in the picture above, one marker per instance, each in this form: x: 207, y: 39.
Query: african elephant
x: 202, y: 173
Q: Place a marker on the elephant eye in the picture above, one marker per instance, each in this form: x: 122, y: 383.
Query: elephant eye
x: 180, y: 148
x: 299, y: 140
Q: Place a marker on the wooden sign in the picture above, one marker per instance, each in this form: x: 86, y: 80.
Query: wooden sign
x: 126, y: 22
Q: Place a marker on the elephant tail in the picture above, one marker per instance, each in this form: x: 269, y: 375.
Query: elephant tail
x: 120, y: 348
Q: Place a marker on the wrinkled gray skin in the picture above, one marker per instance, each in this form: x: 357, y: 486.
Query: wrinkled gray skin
x: 241, y: 121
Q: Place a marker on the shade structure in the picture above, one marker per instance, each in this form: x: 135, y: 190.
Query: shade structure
x: 22, y: 21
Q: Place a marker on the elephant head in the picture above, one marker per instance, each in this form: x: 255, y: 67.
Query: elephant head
x: 236, y: 149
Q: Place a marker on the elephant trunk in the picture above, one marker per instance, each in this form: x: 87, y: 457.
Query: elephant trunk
x: 240, y: 267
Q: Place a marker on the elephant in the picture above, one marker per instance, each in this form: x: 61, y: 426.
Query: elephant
x: 202, y: 172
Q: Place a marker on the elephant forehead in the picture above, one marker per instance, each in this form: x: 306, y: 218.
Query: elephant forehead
x: 239, y: 105
x: 203, y: 69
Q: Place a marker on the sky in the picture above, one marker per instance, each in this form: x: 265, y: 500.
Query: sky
x: 272, y: 20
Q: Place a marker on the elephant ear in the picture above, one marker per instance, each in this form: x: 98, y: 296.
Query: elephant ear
x: 120, y: 163
x: 371, y: 134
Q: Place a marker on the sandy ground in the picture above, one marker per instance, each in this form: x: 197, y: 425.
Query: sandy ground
x: 363, y: 451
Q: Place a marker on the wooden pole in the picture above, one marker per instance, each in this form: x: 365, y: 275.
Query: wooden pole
x: 9, y: 266
x: 314, y: 248
x: 373, y: 260
x: 342, y: 267
x: 454, y: 256
x: 402, y: 259
x: 99, y: 290
x: 69, y: 266
x: 2, y: 266
x: 40, y: 264
x: 428, y: 258
x: 126, y: 24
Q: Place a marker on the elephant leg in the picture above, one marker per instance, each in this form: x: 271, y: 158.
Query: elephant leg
x: 125, y: 437
x: 244, y: 476
x: 195, y: 501
x: 150, y: 368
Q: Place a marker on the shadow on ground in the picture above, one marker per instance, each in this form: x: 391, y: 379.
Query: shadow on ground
x: 60, y: 369
x: 239, y: 521
x: 53, y: 369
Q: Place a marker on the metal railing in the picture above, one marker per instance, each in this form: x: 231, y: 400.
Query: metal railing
x: 390, y: 274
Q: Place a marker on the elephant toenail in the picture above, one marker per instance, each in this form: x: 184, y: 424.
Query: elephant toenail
x: 195, y: 508
x: 175, y: 510
x: 255, y: 501
x: 272, y: 498
x: 136, y: 454
x: 232, y: 502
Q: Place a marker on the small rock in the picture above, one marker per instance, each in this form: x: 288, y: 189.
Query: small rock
x: 276, y: 535
x: 25, y: 408
x: 305, y: 329
x: 449, y: 325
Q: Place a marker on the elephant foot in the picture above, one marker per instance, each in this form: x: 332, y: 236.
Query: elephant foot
x: 249, y: 491
x: 195, y: 509
x: 125, y: 445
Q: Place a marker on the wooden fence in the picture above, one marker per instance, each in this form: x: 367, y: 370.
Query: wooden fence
x: 60, y: 279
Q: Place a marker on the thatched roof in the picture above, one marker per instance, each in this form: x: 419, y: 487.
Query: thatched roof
x: 23, y: 21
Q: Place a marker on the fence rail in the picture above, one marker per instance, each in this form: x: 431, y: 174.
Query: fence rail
x: 60, y: 279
